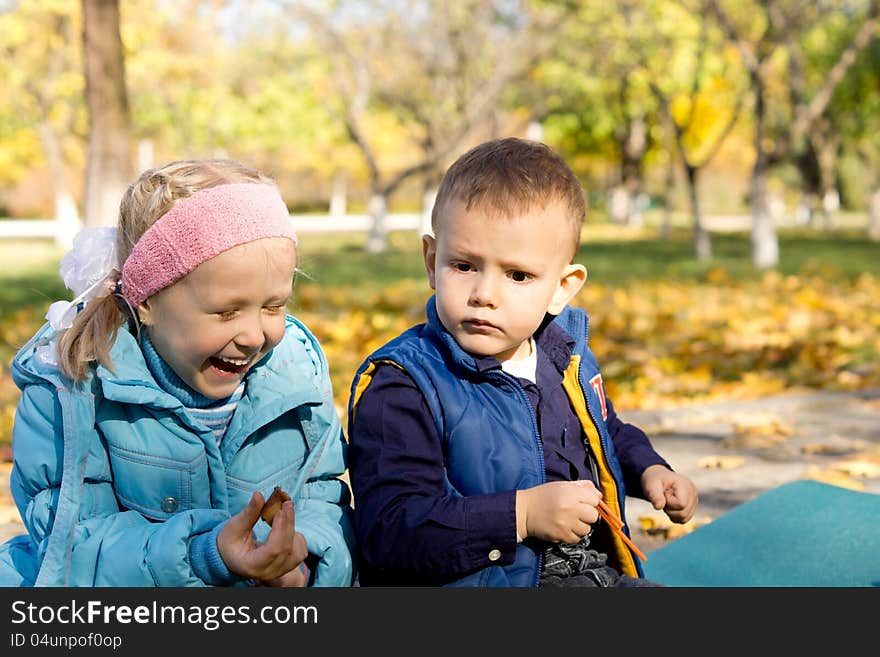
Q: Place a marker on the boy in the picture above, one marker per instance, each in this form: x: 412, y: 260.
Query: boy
x: 481, y: 442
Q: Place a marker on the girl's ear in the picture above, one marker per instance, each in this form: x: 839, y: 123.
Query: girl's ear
x: 429, y: 251
x: 145, y: 313
x: 570, y: 282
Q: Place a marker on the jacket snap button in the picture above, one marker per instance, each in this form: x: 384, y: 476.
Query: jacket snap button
x: 495, y: 555
x: 169, y: 505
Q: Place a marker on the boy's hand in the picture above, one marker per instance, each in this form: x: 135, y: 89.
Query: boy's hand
x: 670, y: 491
x: 558, y: 511
x: 283, y: 551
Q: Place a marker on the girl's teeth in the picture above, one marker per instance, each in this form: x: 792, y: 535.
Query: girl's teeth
x: 233, y: 361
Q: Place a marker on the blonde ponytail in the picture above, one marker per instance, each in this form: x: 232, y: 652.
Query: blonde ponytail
x: 90, y: 337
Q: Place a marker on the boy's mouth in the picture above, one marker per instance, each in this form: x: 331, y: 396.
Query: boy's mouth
x: 479, y: 325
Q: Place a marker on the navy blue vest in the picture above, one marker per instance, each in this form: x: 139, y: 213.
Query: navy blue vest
x: 479, y: 457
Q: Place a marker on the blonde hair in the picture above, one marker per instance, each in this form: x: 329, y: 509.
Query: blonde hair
x: 510, y: 175
x: 149, y: 197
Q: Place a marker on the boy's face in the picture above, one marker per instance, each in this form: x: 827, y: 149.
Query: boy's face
x: 216, y: 322
x: 496, y: 277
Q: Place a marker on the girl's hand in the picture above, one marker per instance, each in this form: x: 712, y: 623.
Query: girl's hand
x: 296, y: 578
x: 284, y: 549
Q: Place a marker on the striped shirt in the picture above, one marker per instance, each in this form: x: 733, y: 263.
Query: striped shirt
x: 213, y: 413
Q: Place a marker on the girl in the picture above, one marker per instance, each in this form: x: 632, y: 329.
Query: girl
x: 163, y: 404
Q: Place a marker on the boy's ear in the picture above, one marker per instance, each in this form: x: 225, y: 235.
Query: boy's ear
x: 570, y: 283
x: 429, y: 251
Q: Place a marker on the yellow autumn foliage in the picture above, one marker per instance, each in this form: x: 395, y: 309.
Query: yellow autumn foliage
x: 660, y: 344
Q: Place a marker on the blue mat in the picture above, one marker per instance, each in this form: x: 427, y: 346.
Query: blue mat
x: 803, y: 533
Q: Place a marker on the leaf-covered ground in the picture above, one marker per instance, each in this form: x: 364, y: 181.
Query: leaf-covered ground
x: 663, y: 344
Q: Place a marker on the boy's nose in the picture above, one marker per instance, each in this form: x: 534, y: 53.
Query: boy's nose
x: 484, y: 292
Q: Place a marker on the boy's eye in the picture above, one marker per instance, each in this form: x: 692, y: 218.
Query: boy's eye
x: 275, y: 309
x: 226, y: 314
x: 520, y: 276
x: 462, y: 266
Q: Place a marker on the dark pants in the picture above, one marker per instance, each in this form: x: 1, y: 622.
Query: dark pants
x: 570, y: 565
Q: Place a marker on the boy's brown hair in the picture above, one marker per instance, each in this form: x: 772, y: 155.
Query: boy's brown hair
x: 509, y: 176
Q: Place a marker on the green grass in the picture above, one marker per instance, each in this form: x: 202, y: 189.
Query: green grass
x: 843, y: 255
x: 25, y: 256
x: 340, y: 260
x: 29, y: 277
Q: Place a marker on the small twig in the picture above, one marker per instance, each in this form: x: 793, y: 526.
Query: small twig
x: 616, y: 525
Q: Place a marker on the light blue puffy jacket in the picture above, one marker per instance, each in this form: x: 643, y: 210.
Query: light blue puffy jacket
x: 113, y: 478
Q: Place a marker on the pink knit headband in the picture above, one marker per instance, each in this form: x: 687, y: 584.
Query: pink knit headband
x: 199, y: 227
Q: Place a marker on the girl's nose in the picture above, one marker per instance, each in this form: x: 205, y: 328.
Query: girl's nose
x: 251, y: 333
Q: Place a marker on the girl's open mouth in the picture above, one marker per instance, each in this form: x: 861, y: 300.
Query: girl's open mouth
x: 226, y: 367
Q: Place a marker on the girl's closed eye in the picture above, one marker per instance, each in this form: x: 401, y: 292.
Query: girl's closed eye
x: 226, y: 314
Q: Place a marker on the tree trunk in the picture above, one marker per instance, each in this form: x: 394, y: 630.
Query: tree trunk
x: 377, y: 240
x: 874, y: 216
x: 109, y: 166
x: 827, y: 156
x: 619, y: 204
x: 66, y: 213
x: 867, y: 157
x: 636, y: 146
x: 626, y: 199
x: 666, y: 221
x: 702, y: 240
x: 830, y: 206
x: 807, y: 162
x: 145, y: 155
x: 428, y: 198
x: 765, y: 244
x: 821, y: 158
x: 805, y: 210
x: 339, y: 195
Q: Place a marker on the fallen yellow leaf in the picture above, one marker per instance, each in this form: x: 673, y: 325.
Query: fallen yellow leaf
x: 867, y: 467
x: 752, y: 441
x: 822, y: 448
x: 835, y: 478
x: 721, y: 462
x: 661, y: 525
x: 762, y: 426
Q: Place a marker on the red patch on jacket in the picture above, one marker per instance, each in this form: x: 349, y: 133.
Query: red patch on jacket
x: 599, y: 388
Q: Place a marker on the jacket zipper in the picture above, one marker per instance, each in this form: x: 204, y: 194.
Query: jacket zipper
x: 605, y: 448
x: 539, y: 448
